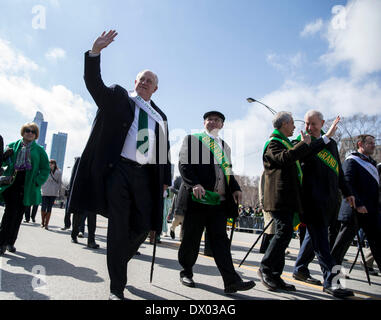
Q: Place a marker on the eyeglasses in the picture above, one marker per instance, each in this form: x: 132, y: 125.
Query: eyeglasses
x: 30, y: 131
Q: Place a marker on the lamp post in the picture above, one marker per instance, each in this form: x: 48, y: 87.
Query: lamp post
x: 251, y: 100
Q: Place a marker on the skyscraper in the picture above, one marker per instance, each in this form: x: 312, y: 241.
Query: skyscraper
x: 43, y: 126
x: 59, y: 149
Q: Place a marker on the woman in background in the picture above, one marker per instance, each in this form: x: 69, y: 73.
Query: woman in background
x: 50, y: 191
x: 29, y: 167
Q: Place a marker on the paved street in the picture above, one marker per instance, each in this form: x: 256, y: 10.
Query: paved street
x: 47, y: 266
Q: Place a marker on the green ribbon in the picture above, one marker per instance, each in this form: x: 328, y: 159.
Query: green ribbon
x: 142, y: 143
x: 287, y: 143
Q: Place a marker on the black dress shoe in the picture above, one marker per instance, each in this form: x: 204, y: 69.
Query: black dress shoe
x: 269, y: 282
x: 11, y: 248
x: 338, y: 292
x: 74, y: 240
x: 239, y: 286
x: 116, y: 297
x: 285, y: 286
x: 93, y: 245
x: 2, y: 250
x: 306, y: 278
x: 187, y: 281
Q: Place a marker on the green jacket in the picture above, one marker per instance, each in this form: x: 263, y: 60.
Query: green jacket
x: 35, y: 177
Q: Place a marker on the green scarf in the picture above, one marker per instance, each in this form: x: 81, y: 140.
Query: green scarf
x: 287, y: 143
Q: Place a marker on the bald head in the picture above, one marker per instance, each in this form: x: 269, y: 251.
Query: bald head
x: 314, y: 122
x: 146, y: 84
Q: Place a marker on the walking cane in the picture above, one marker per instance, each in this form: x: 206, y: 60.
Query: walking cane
x: 256, y: 241
x: 153, y: 258
x: 354, y: 212
x: 232, y: 231
x: 354, y: 262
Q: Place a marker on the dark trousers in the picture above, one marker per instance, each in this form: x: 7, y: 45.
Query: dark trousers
x: 79, y: 225
x: 67, y: 222
x: 273, y: 261
x: 316, y: 241
x: 130, y: 204
x: 266, y: 239
x: 370, y: 223
x: 214, y: 220
x: 14, y: 210
x: 28, y: 215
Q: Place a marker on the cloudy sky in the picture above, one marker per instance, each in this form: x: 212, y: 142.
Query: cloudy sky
x: 209, y: 54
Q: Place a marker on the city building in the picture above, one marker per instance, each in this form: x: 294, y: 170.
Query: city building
x: 43, y: 126
x: 58, y: 149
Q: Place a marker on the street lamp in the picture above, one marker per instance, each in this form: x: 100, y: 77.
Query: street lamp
x: 251, y: 100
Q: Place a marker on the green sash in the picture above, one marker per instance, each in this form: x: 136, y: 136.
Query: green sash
x: 289, y: 146
x: 326, y: 157
x: 217, y: 152
x: 213, y: 198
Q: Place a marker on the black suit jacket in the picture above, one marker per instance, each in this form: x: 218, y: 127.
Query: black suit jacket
x: 102, y: 152
x: 197, y: 166
x: 364, y: 188
x: 321, y: 198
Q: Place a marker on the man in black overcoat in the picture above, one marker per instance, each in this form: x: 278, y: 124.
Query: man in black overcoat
x: 201, y: 174
x: 125, y: 165
x: 322, y: 179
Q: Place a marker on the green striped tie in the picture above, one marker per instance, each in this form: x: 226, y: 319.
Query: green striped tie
x: 142, y: 143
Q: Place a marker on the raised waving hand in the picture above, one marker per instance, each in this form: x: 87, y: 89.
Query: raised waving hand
x: 103, y: 41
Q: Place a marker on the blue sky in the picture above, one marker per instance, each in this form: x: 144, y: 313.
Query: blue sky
x: 208, y: 54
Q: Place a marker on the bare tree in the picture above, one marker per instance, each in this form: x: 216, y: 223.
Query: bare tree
x: 249, y: 187
x: 351, y: 127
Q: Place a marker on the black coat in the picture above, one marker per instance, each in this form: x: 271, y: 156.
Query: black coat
x: 282, y: 191
x: 197, y: 166
x: 364, y: 188
x: 321, y: 198
x: 1, y: 150
x: 102, y: 152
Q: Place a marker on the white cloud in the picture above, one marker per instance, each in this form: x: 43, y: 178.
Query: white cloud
x: 55, y: 54
x: 312, y: 28
x: 354, y: 34
x: 285, y: 63
x: 13, y: 61
x: 64, y: 110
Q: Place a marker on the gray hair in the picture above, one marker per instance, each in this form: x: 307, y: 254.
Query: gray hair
x: 147, y: 70
x: 312, y: 113
x: 280, y: 118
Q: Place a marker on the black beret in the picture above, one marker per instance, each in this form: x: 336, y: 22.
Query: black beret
x: 217, y: 113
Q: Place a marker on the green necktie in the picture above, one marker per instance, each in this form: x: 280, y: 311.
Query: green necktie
x: 142, y: 137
